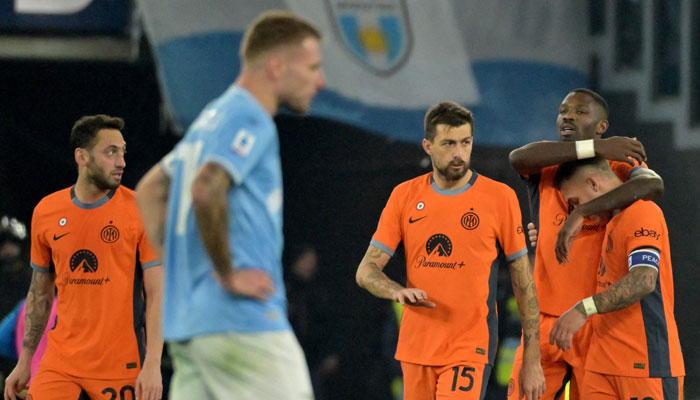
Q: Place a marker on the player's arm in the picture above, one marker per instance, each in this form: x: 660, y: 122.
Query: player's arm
x: 152, y: 198
x: 371, y: 277
x: 643, y: 183
x: 531, y: 158
x: 210, y: 205
x: 639, y: 282
x: 38, y: 309
x: 149, y: 384
x: 531, y: 375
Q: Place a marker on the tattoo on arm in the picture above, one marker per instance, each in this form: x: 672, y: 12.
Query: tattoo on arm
x: 631, y: 288
x: 371, y: 277
x: 526, y: 295
x: 39, y: 302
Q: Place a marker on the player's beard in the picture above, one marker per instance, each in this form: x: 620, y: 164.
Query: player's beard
x: 99, y: 178
x: 451, y: 175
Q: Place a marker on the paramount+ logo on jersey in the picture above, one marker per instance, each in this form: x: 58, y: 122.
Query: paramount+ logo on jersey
x: 438, y: 247
x: 83, y: 265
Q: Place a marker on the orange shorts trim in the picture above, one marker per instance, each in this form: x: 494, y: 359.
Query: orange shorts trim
x: 610, y: 387
x: 559, y: 367
x: 53, y: 385
x: 461, y: 380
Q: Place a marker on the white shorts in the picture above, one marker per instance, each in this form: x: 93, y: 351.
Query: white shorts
x: 255, y: 366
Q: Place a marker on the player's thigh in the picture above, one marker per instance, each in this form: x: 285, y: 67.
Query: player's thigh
x: 649, y: 388
x: 463, y: 381
x: 186, y: 382
x: 419, y: 381
x: 53, y: 385
x: 265, y: 365
x: 109, y: 389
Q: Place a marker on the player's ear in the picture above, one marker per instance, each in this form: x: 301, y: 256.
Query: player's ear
x: 81, y: 156
x: 427, y: 147
x: 593, y: 182
x: 275, y: 64
x: 602, y: 127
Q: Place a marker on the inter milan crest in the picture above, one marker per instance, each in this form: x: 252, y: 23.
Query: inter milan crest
x: 377, y: 33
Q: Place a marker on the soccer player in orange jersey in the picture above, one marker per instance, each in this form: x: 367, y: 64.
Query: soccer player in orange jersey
x: 88, y: 241
x: 581, y: 122
x: 634, y: 351
x: 453, y: 223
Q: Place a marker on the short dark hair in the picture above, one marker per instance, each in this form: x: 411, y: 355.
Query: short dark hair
x: 446, y: 113
x: 86, y: 128
x: 272, y: 29
x: 596, y: 97
x: 568, y: 169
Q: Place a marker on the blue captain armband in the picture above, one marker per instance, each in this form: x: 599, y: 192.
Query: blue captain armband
x: 645, y: 257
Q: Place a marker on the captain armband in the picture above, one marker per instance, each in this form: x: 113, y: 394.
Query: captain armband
x: 646, y: 257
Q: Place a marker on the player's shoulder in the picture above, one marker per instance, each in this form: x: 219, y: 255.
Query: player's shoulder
x: 126, y: 193
x: 492, y: 185
x: 53, y: 201
x: 412, y: 185
x: 643, y: 209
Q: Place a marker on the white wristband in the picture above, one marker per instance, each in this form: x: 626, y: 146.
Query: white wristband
x: 589, y: 306
x: 585, y: 149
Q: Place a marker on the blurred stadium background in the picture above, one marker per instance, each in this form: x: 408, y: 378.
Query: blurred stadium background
x: 156, y: 63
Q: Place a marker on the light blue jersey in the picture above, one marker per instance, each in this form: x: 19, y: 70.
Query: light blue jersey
x: 236, y: 133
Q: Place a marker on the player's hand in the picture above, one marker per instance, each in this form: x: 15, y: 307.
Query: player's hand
x: 413, y: 297
x: 619, y: 148
x: 565, y: 239
x: 567, y: 325
x: 149, y: 384
x: 532, y: 382
x: 16, y: 382
x: 532, y: 234
x: 248, y: 282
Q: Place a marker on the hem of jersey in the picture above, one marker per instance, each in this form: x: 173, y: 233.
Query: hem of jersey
x: 39, y: 268
x: 440, y: 363
x: 381, y: 246
x: 647, y: 375
x: 181, y: 337
x: 453, y: 192
x: 151, y: 264
x: 517, y: 254
x: 227, y: 166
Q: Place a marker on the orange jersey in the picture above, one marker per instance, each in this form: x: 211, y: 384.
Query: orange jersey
x: 452, y: 240
x: 559, y: 287
x: 640, y: 340
x: 98, y: 252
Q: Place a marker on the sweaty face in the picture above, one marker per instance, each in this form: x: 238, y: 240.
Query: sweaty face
x: 106, y: 165
x: 580, y: 118
x: 451, y: 151
x: 302, y: 77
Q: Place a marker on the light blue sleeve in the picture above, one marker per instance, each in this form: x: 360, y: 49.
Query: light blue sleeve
x: 238, y: 147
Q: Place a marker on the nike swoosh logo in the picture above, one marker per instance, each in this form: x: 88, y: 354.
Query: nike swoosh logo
x: 58, y: 237
x: 411, y: 220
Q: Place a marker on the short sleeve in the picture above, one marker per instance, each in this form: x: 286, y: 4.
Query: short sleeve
x: 623, y: 169
x: 40, y: 253
x: 238, y: 146
x: 147, y: 255
x: 511, y: 235
x: 644, y: 228
x: 388, y: 234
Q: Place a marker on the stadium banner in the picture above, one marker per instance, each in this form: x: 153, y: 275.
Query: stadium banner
x: 387, y: 61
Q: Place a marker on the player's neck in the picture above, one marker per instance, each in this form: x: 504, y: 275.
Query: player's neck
x: 261, y: 91
x: 87, y: 192
x: 447, y: 184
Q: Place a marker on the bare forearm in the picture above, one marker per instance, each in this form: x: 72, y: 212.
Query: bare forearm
x: 38, y: 309
x: 152, y: 198
x: 526, y: 296
x: 371, y: 277
x: 531, y: 158
x: 153, y: 282
x: 645, y: 186
x: 631, y: 288
x: 212, y: 223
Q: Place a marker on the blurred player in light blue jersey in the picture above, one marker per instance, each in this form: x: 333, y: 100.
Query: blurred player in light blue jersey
x: 213, y: 206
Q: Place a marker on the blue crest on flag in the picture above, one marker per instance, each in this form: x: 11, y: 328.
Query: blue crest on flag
x: 375, y: 32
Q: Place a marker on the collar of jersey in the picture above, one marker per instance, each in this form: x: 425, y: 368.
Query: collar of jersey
x: 453, y: 192
x: 89, y: 206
